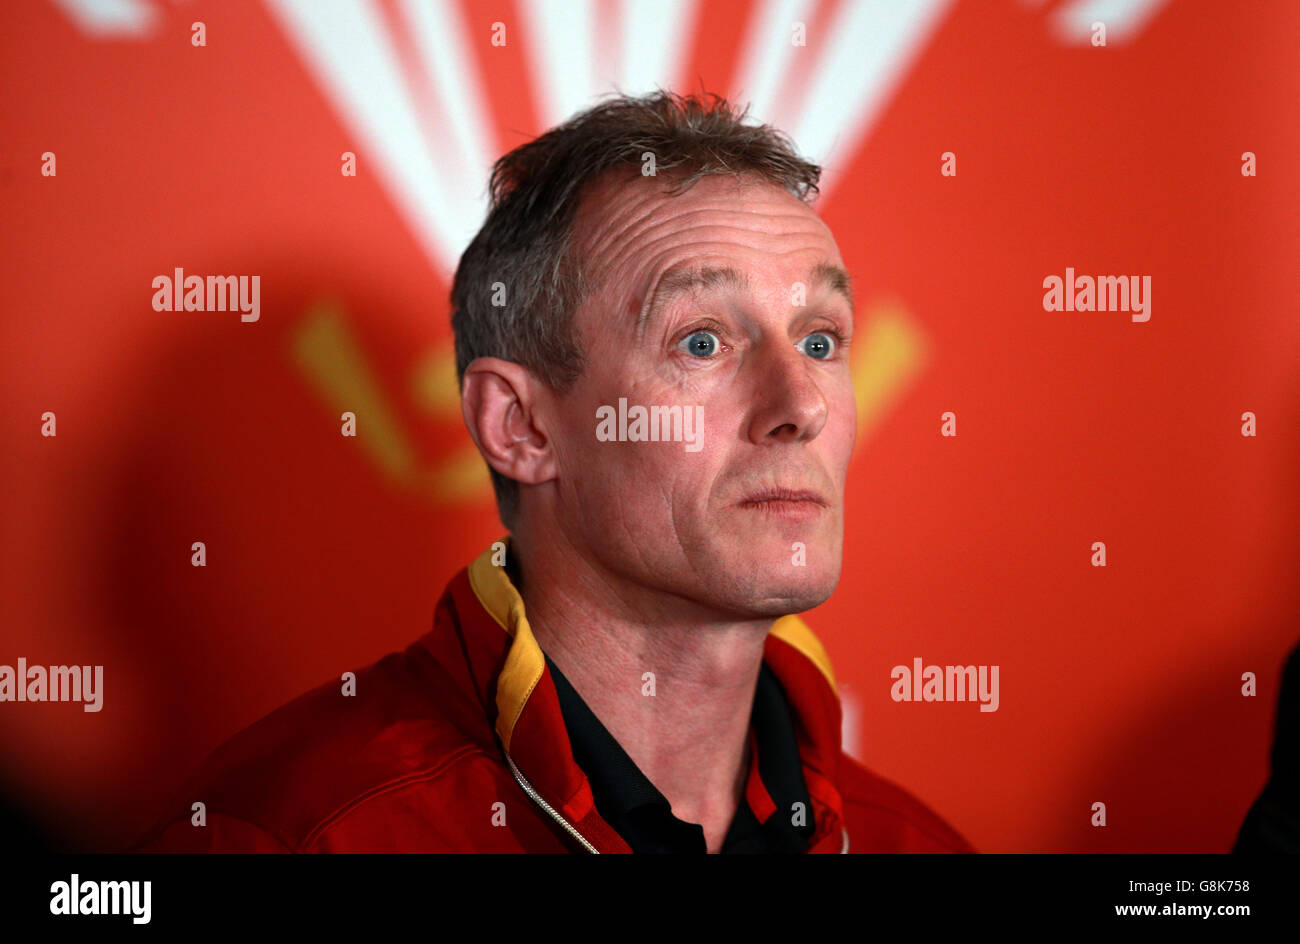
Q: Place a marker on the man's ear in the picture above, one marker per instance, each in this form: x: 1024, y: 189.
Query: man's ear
x: 499, y: 401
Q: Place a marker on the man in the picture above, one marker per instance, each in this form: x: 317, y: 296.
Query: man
x: 652, y: 334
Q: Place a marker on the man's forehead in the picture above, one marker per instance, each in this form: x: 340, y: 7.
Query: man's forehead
x: 618, y: 209
x: 687, y: 278
x: 611, y: 223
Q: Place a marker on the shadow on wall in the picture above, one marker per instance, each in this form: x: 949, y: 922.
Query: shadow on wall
x: 1158, y: 760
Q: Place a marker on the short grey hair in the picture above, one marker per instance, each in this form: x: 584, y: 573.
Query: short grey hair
x: 522, y: 250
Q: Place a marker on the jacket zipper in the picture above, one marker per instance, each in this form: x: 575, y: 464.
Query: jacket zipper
x: 528, y: 788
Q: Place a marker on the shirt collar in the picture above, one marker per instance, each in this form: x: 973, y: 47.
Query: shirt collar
x: 530, y: 724
x: 774, y: 813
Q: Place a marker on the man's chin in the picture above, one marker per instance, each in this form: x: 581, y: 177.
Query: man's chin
x: 776, y: 608
x: 755, y: 594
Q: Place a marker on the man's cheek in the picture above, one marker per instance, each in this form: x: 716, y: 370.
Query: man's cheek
x: 844, y: 436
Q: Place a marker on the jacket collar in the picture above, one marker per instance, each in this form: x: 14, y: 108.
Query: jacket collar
x: 531, y: 730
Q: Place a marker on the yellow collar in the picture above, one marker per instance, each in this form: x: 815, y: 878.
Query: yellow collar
x: 525, y: 664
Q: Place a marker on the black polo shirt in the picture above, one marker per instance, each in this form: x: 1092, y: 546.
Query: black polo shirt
x: 630, y: 803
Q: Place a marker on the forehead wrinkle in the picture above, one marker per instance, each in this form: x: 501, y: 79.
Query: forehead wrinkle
x: 713, y: 236
x: 686, y: 279
x: 635, y: 227
x: 722, y: 224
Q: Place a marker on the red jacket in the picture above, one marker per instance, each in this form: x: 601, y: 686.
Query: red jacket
x: 457, y: 744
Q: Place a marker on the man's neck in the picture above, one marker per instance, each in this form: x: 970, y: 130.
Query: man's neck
x: 674, y: 686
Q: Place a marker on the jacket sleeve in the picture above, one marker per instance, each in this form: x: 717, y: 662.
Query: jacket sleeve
x: 884, y: 817
x: 221, y: 834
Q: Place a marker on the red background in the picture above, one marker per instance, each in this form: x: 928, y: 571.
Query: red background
x: 1119, y: 684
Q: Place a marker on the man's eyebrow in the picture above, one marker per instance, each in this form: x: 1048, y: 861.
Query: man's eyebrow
x: 684, y: 280
x: 837, y: 280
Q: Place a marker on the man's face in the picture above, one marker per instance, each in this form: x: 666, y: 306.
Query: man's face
x: 749, y: 520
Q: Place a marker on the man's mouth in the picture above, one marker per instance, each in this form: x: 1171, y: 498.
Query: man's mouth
x: 785, y: 503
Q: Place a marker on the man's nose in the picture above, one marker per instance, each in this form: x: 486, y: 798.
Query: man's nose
x: 789, y: 404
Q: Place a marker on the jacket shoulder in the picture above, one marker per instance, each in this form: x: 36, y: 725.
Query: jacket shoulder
x: 280, y: 782
x: 882, y: 816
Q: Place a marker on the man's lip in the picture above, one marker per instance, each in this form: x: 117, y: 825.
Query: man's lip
x: 785, y: 495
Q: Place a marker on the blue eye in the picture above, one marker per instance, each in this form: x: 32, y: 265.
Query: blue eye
x: 820, y: 346
x: 701, y: 344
